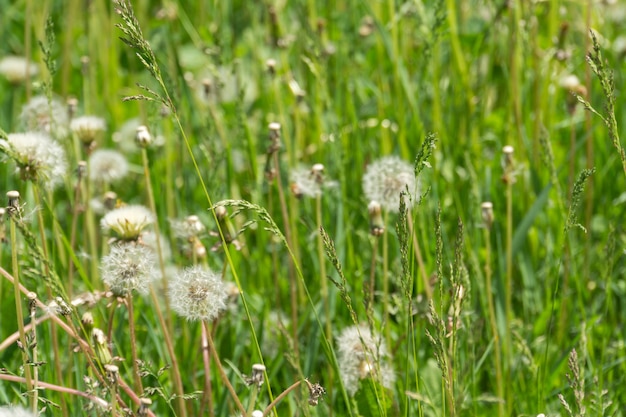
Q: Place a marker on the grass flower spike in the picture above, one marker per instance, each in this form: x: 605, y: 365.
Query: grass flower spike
x: 386, y: 178
x: 198, y: 294
x: 38, y: 157
x: 128, y: 221
x: 130, y: 266
x: 361, y: 356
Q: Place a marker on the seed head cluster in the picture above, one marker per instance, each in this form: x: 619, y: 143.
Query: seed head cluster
x: 42, y: 115
x: 16, y: 69
x: 38, y: 157
x: 386, y: 178
x: 128, y: 221
x: 106, y: 166
x: 87, y: 128
x: 362, y: 355
x: 198, y: 294
x: 130, y: 266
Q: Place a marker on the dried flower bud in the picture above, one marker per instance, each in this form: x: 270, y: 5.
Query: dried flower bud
x: 143, y: 139
x: 487, y: 213
x: 271, y: 66
x: 377, y: 226
x: 14, y: 200
x: 87, y: 320
x: 258, y: 374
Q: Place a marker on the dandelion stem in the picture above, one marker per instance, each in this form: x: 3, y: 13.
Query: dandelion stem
x: 293, y: 283
x: 18, y: 308
x: 133, y: 343
x: 280, y: 397
x: 493, y: 323
x: 220, y: 368
x: 508, y: 288
x: 207, y: 398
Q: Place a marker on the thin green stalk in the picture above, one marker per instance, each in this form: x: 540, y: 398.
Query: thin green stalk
x: 386, y: 280
x: 28, y: 15
x: 508, y: 289
x: 222, y: 373
x: 133, y: 344
x: 293, y: 283
x: 493, y: 324
x: 420, y: 261
x: 165, y: 322
x: 44, y: 248
x: 32, y: 306
x: 322, y: 262
x: 207, y: 398
x: 18, y: 306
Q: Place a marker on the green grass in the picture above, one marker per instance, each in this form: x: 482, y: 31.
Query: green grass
x: 471, y: 76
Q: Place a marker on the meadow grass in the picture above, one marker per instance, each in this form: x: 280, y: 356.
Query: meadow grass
x: 260, y: 121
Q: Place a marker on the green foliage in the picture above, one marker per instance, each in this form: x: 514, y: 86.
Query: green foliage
x: 348, y: 82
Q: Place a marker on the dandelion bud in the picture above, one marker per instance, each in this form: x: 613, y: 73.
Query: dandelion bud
x: 144, y: 404
x: 142, y: 137
x: 258, y: 374
x: 487, y: 213
x: 81, y: 169
x: 274, y: 131
x: 508, y: 165
x: 377, y: 227
x: 206, y: 88
x: 317, y: 171
x: 87, y: 320
x: 101, y: 348
x: 14, y: 200
x: 110, y: 200
x: 271, y: 66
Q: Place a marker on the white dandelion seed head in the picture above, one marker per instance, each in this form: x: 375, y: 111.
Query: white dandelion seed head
x: 187, y: 228
x: 107, y: 165
x: 17, y: 68
x: 38, y: 157
x: 362, y: 355
x: 198, y: 294
x: 124, y: 137
x: 42, y: 116
x: 304, y: 183
x: 149, y: 239
x: 129, y: 267
x: 128, y: 221
x: 569, y: 82
x: 386, y: 178
x: 87, y: 128
x: 15, y: 411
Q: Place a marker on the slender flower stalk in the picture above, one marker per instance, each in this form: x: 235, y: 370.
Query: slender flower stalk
x: 487, y: 215
x: 272, y: 154
x: 509, y: 179
x: 32, y: 307
x: 15, y: 212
